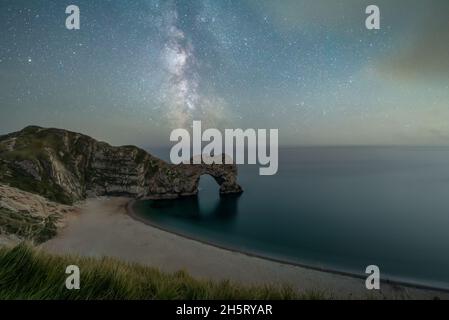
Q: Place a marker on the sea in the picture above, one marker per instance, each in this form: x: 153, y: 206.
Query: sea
x: 333, y: 208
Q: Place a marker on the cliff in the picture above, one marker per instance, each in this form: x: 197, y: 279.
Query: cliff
x: 65, y: 167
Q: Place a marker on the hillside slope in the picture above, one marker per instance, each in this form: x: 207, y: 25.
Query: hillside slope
x: 27, y: 216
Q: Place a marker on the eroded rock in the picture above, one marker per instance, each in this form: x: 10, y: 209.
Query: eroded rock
x: 64, y: 166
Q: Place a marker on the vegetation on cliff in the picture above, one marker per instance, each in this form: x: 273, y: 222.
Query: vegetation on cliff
x: 27, y: 216
x: 26, y: 226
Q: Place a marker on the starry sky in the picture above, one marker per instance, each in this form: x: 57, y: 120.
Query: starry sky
x: 138, y: 69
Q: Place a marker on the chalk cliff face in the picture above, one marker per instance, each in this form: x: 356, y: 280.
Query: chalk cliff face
x: 64, y: 166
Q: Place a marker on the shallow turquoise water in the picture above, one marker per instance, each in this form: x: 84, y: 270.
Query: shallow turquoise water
x: 336, y: 208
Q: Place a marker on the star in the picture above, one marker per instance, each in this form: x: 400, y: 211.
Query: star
x: 177, y: 60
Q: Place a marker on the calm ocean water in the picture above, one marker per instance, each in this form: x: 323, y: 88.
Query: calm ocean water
x: 335, y: 208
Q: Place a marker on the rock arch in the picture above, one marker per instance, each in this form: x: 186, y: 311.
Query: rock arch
x: 183, y: 180
x: 224, y: 175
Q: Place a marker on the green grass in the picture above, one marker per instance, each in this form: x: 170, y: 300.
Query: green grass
x: 26, y: 226
x: 27, y: 273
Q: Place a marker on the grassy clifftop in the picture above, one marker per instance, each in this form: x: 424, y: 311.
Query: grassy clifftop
x: 26, y: 273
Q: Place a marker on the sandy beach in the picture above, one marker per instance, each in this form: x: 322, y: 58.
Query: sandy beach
x: 103, y: 228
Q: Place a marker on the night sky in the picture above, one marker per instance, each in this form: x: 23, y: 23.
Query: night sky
x: 138, y: 69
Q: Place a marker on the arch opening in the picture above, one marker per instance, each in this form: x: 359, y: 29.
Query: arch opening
x: 208, y: 193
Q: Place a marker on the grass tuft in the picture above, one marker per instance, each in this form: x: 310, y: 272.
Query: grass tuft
x: 28, y: 273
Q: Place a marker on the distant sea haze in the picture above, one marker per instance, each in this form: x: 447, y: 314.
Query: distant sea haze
x: 338, y: 208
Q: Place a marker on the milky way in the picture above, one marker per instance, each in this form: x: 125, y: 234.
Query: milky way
x: 138, y: 69
x: 180, y: 91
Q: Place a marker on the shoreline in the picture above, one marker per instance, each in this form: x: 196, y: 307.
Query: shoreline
x: 130, y: 211
x: 104, y: 228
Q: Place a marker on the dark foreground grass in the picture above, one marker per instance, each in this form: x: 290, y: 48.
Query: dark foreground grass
x: 28, y: 273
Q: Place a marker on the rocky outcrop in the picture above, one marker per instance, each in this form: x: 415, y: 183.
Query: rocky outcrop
x: 66, y: 167
x: 27, y: 216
